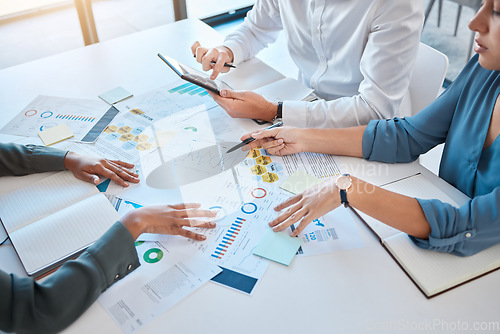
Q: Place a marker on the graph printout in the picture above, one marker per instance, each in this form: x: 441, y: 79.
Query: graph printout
x: 163, y: 279
x: 243, y: 215
x: 46, y: 112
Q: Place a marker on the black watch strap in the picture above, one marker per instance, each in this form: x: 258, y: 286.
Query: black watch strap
x: 279, y: 112
x: 343, y: 197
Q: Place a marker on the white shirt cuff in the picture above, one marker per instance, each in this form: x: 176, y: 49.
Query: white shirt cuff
x: 295, y: 113
x: 237, y: 51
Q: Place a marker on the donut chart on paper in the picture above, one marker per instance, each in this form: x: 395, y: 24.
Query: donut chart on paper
x: 153, y: 255
x: 258, y: 193
x: 249, y: 208
x: 30, y: 113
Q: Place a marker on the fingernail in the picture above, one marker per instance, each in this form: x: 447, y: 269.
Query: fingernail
x: 280, y: 141
x: 203, y: 237
x: 223, y: 92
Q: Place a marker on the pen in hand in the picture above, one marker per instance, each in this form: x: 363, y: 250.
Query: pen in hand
x: 251, y: 139
x: 225, y: 65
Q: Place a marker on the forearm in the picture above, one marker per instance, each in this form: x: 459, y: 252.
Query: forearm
x: 31, y: 307
x: 260, y: 27
x: 398, y: 211
x: 346, y: 141
x: 21, y: 160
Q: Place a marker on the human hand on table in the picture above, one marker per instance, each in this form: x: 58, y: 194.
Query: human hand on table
x: 278, y: 141
x: 168, y: 219
x: 88, y: 168
x: 245, y: 104
x: 306, y: 207
x: 213, y: 58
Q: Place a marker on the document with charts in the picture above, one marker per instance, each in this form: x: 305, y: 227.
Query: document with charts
x: 163, y: 279
x: 243, y: 215
x: 85, y: 118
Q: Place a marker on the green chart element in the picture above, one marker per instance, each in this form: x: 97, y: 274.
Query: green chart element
x: 138, y: 243
x: 153, y: 255
x: 191, y: 128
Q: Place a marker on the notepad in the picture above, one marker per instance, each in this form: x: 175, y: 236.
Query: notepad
x: 115, y: 95
x: 299, y: 181
x: 55, y: 134
x: 432, y: 272
x: 278, y: 247
x: 46, y: 230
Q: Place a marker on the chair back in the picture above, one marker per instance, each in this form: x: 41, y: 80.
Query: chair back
x: 427, y: 77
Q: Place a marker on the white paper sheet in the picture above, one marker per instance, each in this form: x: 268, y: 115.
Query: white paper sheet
x: 163, y: 279
x: 46, y: 112
x: 335, y: 231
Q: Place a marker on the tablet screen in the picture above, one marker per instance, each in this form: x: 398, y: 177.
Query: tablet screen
x: 190, y: 74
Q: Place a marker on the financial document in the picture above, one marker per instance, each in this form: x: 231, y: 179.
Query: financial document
x: 46, y: 112
x: 163, y: 279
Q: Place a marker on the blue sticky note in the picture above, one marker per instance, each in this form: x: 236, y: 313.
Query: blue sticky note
x: 278, y: 247
x: 115, y: 95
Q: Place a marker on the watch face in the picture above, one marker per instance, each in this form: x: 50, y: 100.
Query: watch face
x: 343, y: 182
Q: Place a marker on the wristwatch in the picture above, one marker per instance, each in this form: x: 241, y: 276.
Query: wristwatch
x: 343, y: 183
x: 279, y: 113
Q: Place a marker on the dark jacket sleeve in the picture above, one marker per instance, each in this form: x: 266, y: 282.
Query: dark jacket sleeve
x: 18, y: 159
x: 27, y: 306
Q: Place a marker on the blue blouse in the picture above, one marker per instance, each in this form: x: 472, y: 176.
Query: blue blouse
x: 460, y: 118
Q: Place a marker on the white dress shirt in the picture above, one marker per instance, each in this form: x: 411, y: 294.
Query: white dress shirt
x: 357, y: 55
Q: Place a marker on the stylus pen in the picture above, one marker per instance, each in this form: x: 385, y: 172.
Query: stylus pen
x: 225, y: 65
x: 251, y: 139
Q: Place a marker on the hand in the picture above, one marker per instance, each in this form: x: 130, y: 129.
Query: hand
x: 214, y: 58
x: 87, y: 168
x: 277, y: 141
x: 168, y: 219
x: 308, y: 206
x: 245, y: 104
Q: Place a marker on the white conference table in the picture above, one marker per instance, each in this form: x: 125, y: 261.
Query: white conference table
x: 355, y: 291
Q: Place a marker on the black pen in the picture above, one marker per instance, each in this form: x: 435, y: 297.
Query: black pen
x: 225, y: 65
x: 251, y: 139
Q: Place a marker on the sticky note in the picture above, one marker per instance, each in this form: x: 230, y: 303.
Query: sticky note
x: 278, y: 247
x: 299, y: 181
x: 163, y: 137
x: 56, y: 134
x: 115, y: 95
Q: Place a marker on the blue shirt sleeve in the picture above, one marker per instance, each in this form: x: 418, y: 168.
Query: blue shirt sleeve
x: 404, y: 139
x: 463, y: 231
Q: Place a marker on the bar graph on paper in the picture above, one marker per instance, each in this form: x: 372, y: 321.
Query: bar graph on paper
x: 46, y: 112
x: 228, y: 239
x: 76, y: 118
x: 190, y: 89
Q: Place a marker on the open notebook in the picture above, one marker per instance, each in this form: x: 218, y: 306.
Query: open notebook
x: 433, y: 272
x: 53, y: 220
